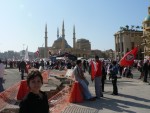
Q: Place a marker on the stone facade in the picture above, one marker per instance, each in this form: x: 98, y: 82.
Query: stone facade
x: 125, y: 40
x: 146, y: 35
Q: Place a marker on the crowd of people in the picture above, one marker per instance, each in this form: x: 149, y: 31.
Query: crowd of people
x: 96, y: 68
x: 100, y: 69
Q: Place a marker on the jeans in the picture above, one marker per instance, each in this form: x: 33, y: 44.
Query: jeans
x: 114, y: 82
x: 98, y: 86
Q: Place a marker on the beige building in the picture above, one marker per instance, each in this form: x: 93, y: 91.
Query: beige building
x: 81, y: 47
x: 126, y: 39
x: 146, y: 35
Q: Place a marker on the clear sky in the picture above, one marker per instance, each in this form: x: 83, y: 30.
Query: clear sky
x: 22, y: 22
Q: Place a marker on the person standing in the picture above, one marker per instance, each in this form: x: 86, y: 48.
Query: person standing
x: 22, y: 67
x: 97, y: 77
x: 35, y: 101
x: 104, y: 73
x: 149, y: 69
x: 114, y: 72
x: 84, y: 66
x: 2, y: 68
x: 120, y: 70
x: 145, y: 70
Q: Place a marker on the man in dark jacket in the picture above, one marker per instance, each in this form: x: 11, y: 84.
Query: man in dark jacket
x: 114, y: 72
x: 145, y: 70
x: 22, y: 67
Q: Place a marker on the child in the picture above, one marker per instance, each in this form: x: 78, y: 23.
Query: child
x: 35, y: 101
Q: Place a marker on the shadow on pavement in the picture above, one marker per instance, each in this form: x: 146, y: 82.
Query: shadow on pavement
x: 134, y: 97
x: 115, y: 104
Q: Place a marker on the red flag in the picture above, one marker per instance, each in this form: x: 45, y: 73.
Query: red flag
x: 128, y: 58
x: 37, y: 52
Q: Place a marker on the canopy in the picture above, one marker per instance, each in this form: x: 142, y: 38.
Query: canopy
x: 68, y: 55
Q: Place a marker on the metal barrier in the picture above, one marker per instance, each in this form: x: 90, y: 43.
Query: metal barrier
x: 59, y: 101
x: 8, y: 96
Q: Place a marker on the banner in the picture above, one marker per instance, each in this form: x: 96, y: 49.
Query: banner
x: 128, y: 58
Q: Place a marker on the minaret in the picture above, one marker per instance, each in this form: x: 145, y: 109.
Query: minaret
x: 63, y: 30
x: 57, y: 33
x: 46, y: 49
x: 63, y: 37
x: 74, y: 37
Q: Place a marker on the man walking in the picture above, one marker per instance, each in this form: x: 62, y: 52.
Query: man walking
x: 2, y: 68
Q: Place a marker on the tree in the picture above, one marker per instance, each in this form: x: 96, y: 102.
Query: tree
x: 132, y: 26
x: 121, y: 28
x: 137, y: 27
x: 127, y: 27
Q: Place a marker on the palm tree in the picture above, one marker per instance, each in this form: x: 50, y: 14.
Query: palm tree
x: 121, y: 28
x: 132, y: 26
x: 127, y: 27
x: 137, y: 27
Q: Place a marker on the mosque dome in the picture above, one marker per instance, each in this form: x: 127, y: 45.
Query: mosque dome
x: 82, y: 40
x: 147, y: 18
x: 83, y: 44
x: 58, y: 43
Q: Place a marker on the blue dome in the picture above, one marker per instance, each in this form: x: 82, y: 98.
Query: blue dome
x: 147, y: 18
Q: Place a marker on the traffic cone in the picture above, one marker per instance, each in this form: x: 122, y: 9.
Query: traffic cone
x: 45, y: 76
x: 23, y: 90
x: 76, y: 93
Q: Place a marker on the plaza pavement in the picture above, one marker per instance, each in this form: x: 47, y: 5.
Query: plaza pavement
x: 134, y: 97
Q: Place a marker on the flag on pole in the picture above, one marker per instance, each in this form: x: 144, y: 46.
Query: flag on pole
x: 37, y: 52
x: 128, y: 58
x: 59, y: 52
x: 26, y: 57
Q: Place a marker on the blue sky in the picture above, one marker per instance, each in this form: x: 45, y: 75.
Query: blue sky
x: 22, y: 22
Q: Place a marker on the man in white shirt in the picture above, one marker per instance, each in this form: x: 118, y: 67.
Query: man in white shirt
x: 2, y: 68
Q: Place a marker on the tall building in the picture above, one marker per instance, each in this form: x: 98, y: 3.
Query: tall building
x: 126, y: 39
x: 146, y: 35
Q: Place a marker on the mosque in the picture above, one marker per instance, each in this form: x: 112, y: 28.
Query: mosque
x: 81, y: 47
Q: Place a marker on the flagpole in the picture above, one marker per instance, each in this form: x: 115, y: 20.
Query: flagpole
x: 26, y: 57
